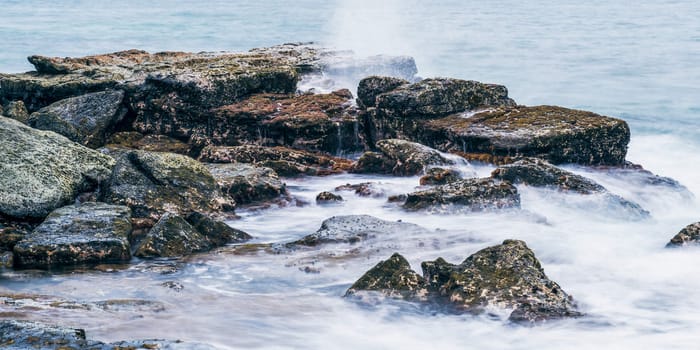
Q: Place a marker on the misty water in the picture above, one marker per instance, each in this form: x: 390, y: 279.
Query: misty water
x: 636, y: 61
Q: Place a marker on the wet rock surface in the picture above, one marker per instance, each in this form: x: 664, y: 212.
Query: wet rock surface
x: 86, y: 119
x: 371, y: 87
x: 689, y: 235
x: 328, y: 197
x: 172, y: 236
x: 41, y: 170
x: 353, y: 229
x: 364, y: 189
x: 78, y: 234
x: 468, y: 194
x: 152, y: 183
x: 506, y: 276
x: 439, y: 176
x: 247, y: 183
x: 218, y: 232
x: 399, y: 157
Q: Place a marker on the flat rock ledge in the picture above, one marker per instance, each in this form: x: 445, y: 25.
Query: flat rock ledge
x: 506, y: 276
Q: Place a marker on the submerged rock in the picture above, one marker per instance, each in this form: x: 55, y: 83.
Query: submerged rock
x: 172, y: 236
x: 353, y: 229
x: 689, y: 235
x: 506, y: 276
x: 86, y: 119
x: 470, y: 194
x: 41, y: 170
x: 78, y: 234
x: 328, y: 197
x: 364, y: 189
x: 399, y: 157
x: 153, y: 183
x: 247, y: 183
x: 439, y: 176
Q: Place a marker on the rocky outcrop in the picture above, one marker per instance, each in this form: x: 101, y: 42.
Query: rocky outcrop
x: 556, y: 134
x: 41, y: 170
x: 506, y: 276
x: 172, y: 236
x: 399, y: 157
x: 247, y: 183
x: 353, y: 229
x: 328, y: 197
x: 371, y: 87
x: 15, y: 110
x: 86, y: 119
x: 284, y: 161
x: 78, y: 234
x: 439, y: 176
x: 468, y: 194
x: 689, y: 235
x: 153, y: 183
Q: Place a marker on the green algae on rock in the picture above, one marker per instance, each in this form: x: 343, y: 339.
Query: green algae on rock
x: 172, y: 236
x: 392, y: 277
x: 41, y: 170
x: 78, y: 234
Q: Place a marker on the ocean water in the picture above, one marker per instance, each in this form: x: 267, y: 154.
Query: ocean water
x: 637, y: 61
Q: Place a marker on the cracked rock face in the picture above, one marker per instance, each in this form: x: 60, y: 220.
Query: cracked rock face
x: 506, y: 276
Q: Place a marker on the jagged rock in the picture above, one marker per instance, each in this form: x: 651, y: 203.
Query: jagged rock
x: 539, y: 173
x: 505, y: 276
x: 218, y: 233
x: 439, y: 176
x: 392, y: 277
x: 364, y: 189
x: 399, y: 157
x: 15, y: 110
x: 78, y: 234
x: 151, y: 143
x: 556, y: 134
x: 470, y: 194
x: 172, y: 236
x: 371, y: 87
x: 41, y: 170
x: 247, y: 183
x: 689, y: 235
x: 284, y: 161
x: 440, y: 97
x: 353, y: 229
x: 315, y: 122
x: 328, y: 197
x: 153, y: 183
x: 86, y: 119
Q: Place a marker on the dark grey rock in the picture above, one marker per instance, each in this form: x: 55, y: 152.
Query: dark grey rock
x: 172, y: 236
x: 392, y: 277
x: 328, y: 197
x: 353, y: 229
x: 468, y: 194
x: 218, y: 233
x: 370, y: 87
x: 399, y: 157
x: 439, y: 176
x: 247, y: 183
x: 77, y: 234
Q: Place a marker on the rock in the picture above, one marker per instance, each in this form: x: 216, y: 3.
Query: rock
x: 6, y: 259
x: 399, y: 157
x: 246, y: 183
x: 78, y: 234
x: 9, y: 236
x: 86, y: 119
x: 539, y: 173
x: 392, y: 277
x: 284, y: 161
x: 506, y: 276
x: 314, y: 122
x: 41, y: 170
x: 364, y: 189
x: 172, y: 236
x: 218, y: 233
x: 371, y: 87
x: 439, y: 176
x: 471, y: 194
x: 152, y: 183
x: 15, y: 110
x: 689, y: 235
x: 440, y: 97
x: 151, y: 143
x: 353, y: 229
x: 556, y: 134
x: 328, y: 197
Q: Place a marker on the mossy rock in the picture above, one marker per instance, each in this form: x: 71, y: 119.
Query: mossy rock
x: 467, y: 194
x: 218, y: 232
x: 172, y: 236
x: 392, y: 277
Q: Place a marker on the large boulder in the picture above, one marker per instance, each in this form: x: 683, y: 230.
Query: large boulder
x: 353, y: 229
x: 172, y: 236
x: 247, y: 183
x: 506, y: 276
x: 468, y: 194
x: 77, y: 234
x: 284, y: 161
x: 152, y: 183
x: 41, y: 170
x: 399, y: 157
x: 86, y: 119
x: 689, y: 235
x: 556, y: 134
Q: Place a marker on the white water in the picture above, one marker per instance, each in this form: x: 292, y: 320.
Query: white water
x: 636, y: 61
